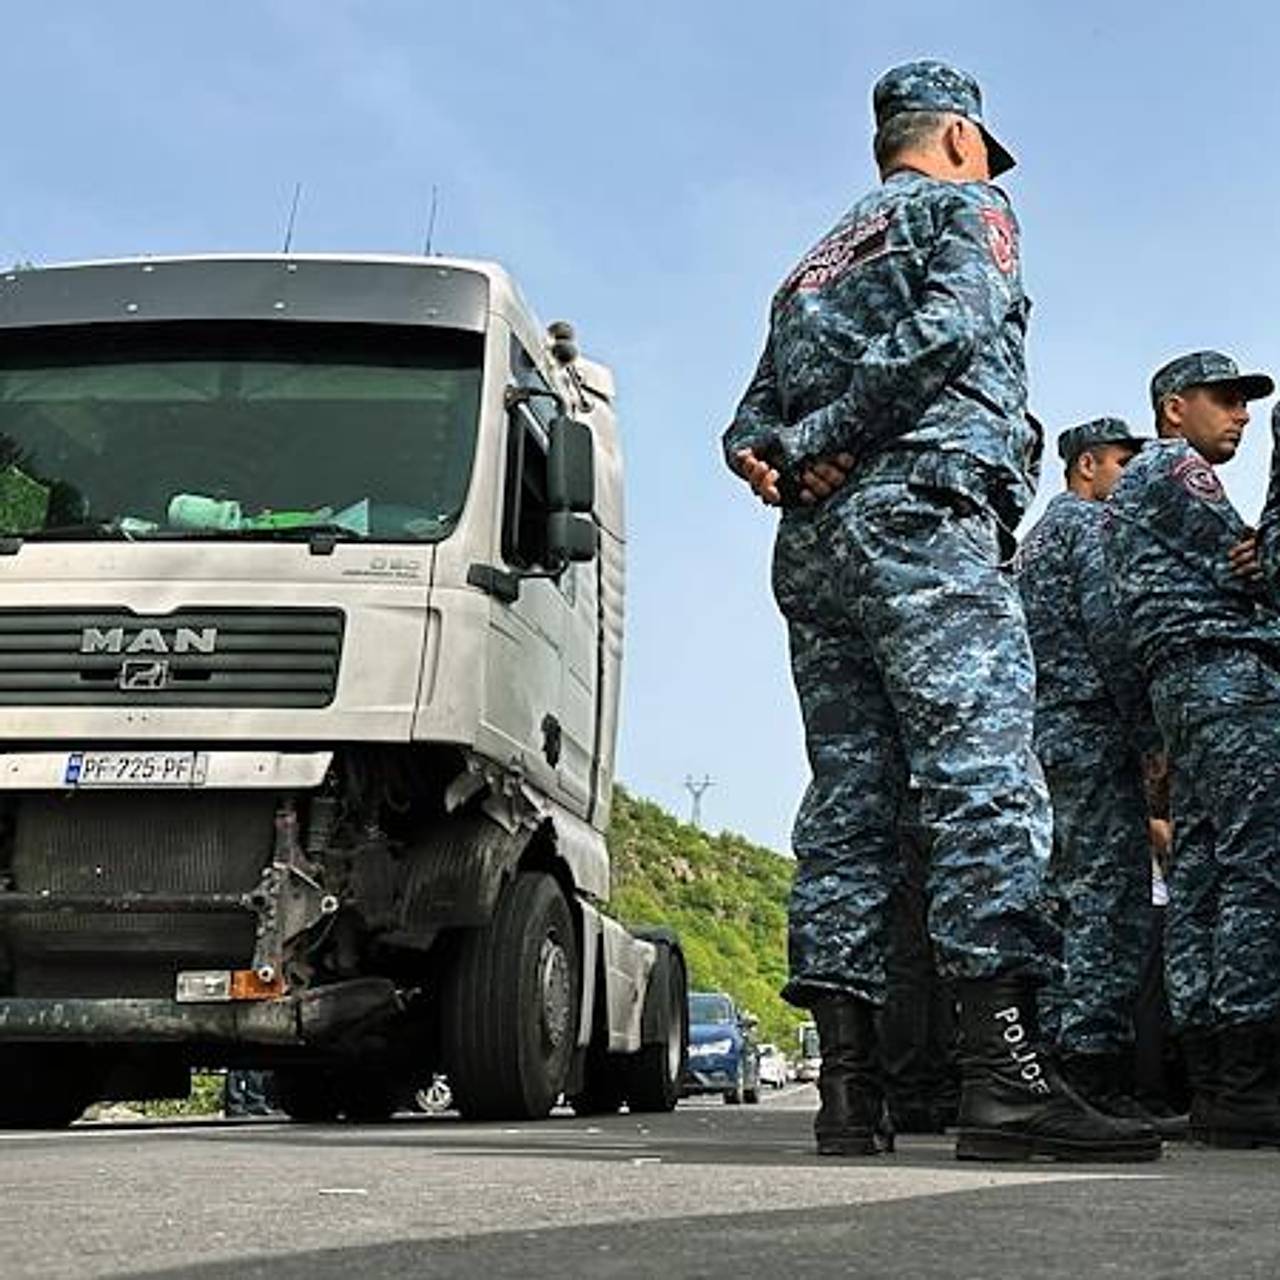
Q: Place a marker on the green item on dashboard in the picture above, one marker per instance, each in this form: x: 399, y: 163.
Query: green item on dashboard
x: 24, y: 502
x: 288, y: 519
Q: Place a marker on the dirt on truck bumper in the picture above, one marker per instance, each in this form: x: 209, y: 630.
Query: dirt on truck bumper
x: 311, y: 1017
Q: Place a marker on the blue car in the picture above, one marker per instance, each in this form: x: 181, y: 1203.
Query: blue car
x: 722, y: 1050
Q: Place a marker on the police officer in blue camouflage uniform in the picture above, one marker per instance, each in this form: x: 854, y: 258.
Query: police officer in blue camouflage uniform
x: 888, y: 417
x: 1184, y: 569
x: 1092, y: 728
x: 1269, y: 524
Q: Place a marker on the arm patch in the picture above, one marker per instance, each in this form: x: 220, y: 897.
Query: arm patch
x: 1002, y: 239
x: 845, y: 248
x: 1199, y: 479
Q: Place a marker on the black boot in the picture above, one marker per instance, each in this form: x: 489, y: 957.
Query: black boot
x: 851, y: 1118
x: 1014, y: 1102
x: 1200, y: 1057
x: 1245, y: 1108
x: 1104, y: 1081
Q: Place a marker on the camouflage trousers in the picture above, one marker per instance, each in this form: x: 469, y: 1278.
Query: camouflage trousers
x: 914, y: 672
x: 1219, y: 712
x: 1099, y: 889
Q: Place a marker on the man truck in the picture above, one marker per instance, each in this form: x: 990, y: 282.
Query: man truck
x: 311, y: 600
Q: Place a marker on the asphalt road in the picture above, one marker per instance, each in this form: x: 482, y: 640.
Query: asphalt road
x: 711, y: 1190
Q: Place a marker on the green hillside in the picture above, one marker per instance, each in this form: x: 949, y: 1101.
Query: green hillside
x: 726, y: 897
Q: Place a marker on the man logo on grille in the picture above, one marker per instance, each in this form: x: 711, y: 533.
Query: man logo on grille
x: 148, y: 640
x: 142, y: 674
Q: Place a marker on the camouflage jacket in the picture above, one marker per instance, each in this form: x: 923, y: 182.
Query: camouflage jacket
x: 903, y: 327
x: 1086, y: 678
x: 1167, y: 536
x: 1269, y: 524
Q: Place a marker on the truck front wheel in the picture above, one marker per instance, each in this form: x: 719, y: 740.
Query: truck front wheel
x: 510, y: 1014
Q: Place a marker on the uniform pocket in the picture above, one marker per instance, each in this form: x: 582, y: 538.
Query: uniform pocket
x: 906, y: 520
x: 1219, y: 684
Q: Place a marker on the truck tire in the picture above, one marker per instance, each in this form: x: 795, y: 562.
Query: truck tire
x: 41, y: 1088
x: 510, y: 1013
x: 655, y: 1074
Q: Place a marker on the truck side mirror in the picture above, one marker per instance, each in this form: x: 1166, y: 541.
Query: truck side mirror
x: 571, y: 491
x: 571, y: 467
x: 571, y: 537
x: 570, y: 500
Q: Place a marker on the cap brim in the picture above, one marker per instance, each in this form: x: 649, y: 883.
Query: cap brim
x: 1254, y: 386
x: 1135, y: 443
x: 998, y: 159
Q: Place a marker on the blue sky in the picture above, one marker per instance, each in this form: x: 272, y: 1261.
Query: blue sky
x: 650, y: 172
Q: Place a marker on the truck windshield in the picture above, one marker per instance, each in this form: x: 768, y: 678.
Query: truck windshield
x: 236, y: 431
x: 710, y: 1009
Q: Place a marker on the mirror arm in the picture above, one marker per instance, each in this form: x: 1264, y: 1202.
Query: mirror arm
x: 522, y: 395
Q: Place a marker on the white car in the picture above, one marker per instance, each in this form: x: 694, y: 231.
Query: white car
x: 773, y: 1066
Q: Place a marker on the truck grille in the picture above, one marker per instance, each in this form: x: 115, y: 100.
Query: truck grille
x: 191, y: 658
x: 108, y: 842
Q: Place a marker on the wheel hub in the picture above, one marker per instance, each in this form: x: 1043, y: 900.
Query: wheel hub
x: 555, y: 986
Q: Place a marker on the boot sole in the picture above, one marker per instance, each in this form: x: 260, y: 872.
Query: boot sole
x: 869, y: 1147
x: 978, y: 1144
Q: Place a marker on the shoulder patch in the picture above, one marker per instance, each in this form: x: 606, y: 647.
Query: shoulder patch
x: 845, y: 248
x: 1198, y: 478
x: 1002, y: 239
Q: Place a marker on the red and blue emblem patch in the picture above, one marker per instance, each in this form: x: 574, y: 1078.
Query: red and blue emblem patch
x: 1002, y: 239
x: 1199, y: 479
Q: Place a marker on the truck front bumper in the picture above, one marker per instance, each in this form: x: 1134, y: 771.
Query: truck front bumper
x: 309, y: 1018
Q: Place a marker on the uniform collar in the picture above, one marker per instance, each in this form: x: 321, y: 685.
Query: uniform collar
x: 903, y: 172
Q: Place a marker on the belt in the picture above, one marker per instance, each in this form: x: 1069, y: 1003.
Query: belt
x: 932, y: 467
x: 940, y: 469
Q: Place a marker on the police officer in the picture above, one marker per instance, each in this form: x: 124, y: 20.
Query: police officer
x: 1269, y: 524
x: 1183, y: 567
x: 1092, y: 728
x: 888, y: 415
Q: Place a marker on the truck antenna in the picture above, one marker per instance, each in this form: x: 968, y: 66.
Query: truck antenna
x: 695, y: 788
x: 293, y: 216
x: 429, y: 240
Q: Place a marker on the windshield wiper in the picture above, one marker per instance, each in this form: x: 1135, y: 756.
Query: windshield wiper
x: 321, y: 536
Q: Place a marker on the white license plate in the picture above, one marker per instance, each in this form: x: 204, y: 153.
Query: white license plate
x: 136, y: 769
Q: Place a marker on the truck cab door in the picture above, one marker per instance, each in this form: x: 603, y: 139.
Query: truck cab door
x: 525, y: 662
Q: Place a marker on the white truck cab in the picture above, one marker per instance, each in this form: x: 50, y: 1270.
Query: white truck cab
x: 311, y: 600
